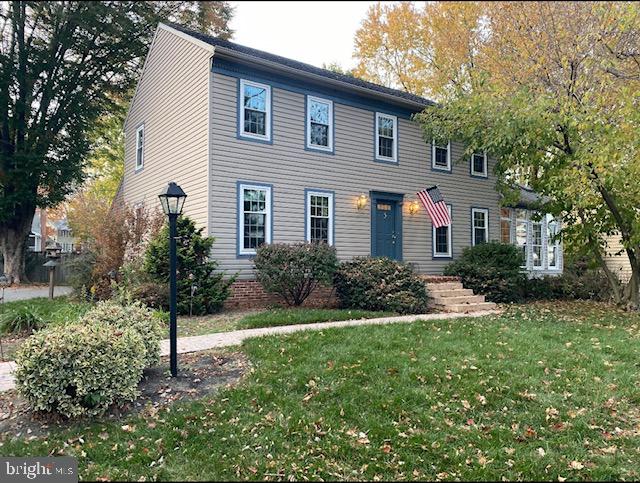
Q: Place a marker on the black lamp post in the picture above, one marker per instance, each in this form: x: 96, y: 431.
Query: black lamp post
x: 172, y: 200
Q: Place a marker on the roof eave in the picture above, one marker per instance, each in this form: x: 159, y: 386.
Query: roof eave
x: 310, y: 75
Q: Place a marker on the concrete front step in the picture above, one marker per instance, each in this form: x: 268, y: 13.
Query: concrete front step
x: 462, y: 299
x: 461, y: 292
x: 466, y: 308
x: 439, y: 287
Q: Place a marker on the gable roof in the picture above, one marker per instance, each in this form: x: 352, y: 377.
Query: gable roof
x: 236, y: 50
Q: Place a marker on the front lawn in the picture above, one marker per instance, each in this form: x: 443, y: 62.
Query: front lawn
x: 542, y: 392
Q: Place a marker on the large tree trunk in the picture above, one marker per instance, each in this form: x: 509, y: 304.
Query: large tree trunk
x: 632, y: 290
x: 13, y: 243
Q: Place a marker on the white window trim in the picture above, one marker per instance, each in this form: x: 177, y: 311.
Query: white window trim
x: 140, y: 162
x: 551, y: 222
x: 267, y: 120
x: 543, y: 245
x: 449, y: 244
x: 473, y: 226
x: 308, y: 212
x: 329, y: 148
x: 433, y: 156
x: 393, y: 159
x: 267, y: 221
x: 485, y: 165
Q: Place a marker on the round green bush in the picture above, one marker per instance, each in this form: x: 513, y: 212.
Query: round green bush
x: 134, y: 316
x: 492, y: 269
x: 380, y: 284
x: 80, y: 370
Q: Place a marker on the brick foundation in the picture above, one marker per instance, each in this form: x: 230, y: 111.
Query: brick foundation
x: 249, y: 294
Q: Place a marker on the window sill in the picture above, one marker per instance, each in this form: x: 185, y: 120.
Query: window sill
x: 440, y: 169
x: 386, y: 161
x: 320, y: 150
x: 260, y: 140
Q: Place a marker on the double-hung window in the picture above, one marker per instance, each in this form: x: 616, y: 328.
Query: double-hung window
x: 140, y: 147
x: 255, y: 110
x: 505, y: 225
x: 479, y: 165
x: 319, y: 124
x: 536, y: 244
x: 480, y: 226
x: 319, y: 223
x: 442, y: 240
x: 441, y: 156
x: 553, y: 243
x: 386, y: 138
x: 522, y: 233
x: 254, y: 206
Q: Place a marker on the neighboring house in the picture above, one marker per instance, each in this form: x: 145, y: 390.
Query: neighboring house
x: 38, y: 231
x: 63, y: 235
x: 617, y: 259
x: 273, y: 150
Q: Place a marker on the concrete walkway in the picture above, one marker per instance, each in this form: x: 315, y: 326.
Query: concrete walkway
x: 12, y: 294
x: 236, y: 337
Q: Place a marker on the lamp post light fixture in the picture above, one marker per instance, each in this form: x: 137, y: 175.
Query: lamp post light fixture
x: 361, y: 202
x: 172, y: 200
x: 413, y: 207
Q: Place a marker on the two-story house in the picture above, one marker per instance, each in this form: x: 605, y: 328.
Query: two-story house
x: 269, y: 149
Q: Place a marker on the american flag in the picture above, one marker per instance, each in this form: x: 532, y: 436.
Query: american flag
x: 433, y: 202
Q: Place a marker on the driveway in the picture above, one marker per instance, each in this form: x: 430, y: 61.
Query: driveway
x: 24, y: 293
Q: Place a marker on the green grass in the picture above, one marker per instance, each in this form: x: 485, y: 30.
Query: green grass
x: 539, y: 393
x: 58, y: 310
x: 277, y: 317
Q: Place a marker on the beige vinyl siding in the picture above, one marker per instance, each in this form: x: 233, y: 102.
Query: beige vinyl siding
x: 172, y: 102
x: 617, y: 259
x: 351, y: 171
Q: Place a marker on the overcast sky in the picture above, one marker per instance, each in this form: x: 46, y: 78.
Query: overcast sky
x: 312, y: 32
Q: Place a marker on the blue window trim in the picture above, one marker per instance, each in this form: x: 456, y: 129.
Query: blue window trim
x: 240, y: 210
x: 333, y: 212
x: 396, y: 140
x: 314, y: 149
x: 433, y: 238
x: 471, y: 210
x: 486, y: 167
x: 374, y: 196
x: 449, y: 169
x: 290, y: 83
x: 240, y: 133
x: 136, y: 168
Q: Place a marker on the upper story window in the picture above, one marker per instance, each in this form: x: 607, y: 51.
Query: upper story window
x: 319, y: 223
x: 386, y: 138
x: 441, y: 156
x: 319, y: 124
x: 480, y: 226
x: 442, y: 240
x: 255, y: 114
x: 505, y: 225
x: 254, y: 206
x: 140, y: 147
x: 479, y: 165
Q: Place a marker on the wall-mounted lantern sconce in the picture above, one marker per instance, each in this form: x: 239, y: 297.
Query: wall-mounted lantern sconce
x: 362, y: 201
x: 413, y: 207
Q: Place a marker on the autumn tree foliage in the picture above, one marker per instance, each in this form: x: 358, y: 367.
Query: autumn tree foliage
x: 63, y: 67
x: 550, y: 89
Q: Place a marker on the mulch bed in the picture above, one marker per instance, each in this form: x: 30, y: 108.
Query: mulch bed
x: 199, y: 374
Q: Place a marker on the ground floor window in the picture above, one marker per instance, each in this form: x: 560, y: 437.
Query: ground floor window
x: 522, y: 233
x: 553, y: 243
x: 254, y: 207
x: 319, y: 222
x: 442, y: 240
x: 536, y: 244
x: 537, y: 236
x: 505, y: 225
x: 480, y: 226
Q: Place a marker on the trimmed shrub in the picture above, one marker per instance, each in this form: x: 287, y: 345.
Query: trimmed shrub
x: 20, y: 320
x: 380, y: 284
x: 195, y: 268
x: 135, y: 317
x: 492, y: 269
x: 78, y: 370
x: 293, y: 271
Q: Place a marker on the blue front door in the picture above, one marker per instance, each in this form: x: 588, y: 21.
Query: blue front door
x: 387, y: 228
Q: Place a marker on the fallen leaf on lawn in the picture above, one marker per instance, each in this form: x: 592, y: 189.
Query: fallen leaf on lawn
x: 103, y: 436
x: 552, y: 413
x: 363, y: 439
x: 561, y: 479
x: 541, y: 452
x: 481, y: 399
x: 386, y: 448
x: 128, y: 428
x: 576, y: 465
x: 509, y: 451
x: 609, y: 450
x: 465, y: 404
